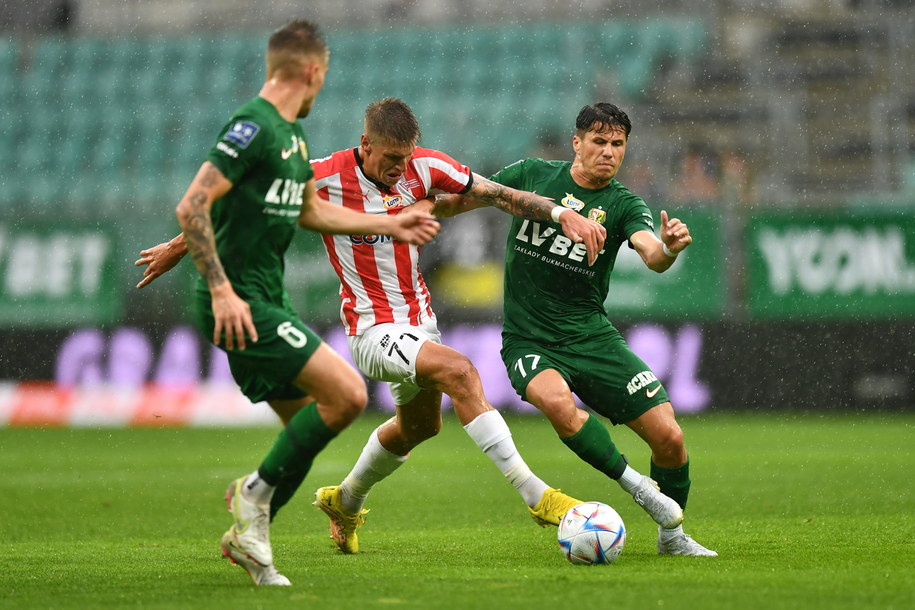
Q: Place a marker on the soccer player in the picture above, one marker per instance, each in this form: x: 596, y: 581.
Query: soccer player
x: 237, y: 218
x: 391, y: 329
x: 556, y: 336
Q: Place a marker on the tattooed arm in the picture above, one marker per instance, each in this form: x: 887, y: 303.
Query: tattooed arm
x: 524, y: 205
x: 231, y: 313
x: 511, y: 201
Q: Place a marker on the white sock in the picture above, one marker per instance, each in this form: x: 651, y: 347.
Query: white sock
x: 630, y: 479
x: 491, y: 434
x: 374, y: 464
x: 257, y: 490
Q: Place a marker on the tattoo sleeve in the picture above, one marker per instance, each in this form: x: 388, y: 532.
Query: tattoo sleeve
x: 512, y: 201
x: 198, y: 233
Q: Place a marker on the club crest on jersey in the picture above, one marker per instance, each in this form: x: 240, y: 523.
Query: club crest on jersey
x: 570, y: 201
x: 598, y: 215
x: 241, y: 133
x: 298, y: 145
x: 392, y: 201
x: 408, y: 185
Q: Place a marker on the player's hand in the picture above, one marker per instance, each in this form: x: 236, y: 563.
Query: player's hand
x: 584, y: 230
x: 414, y: 227
x: 233, y: 317
x: 674, y: 233
x: 158, y: 260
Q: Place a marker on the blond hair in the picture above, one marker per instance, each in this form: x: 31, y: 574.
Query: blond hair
x: 292, y: 45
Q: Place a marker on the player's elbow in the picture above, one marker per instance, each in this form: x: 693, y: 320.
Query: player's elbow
x: 183, y: 213
x: 658, y: 264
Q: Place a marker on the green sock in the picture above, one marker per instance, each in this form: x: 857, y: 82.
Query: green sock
x: 674, y: 482
x: 593, y: 444
x: 286, y: 488
x: 292, y: 454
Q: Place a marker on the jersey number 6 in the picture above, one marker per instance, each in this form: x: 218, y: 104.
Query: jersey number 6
x: 291, y: 335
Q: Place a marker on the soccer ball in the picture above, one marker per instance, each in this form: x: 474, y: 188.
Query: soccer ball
x: 591, y: 533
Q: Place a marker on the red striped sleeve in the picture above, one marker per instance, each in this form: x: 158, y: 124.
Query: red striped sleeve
x: 445, y: 173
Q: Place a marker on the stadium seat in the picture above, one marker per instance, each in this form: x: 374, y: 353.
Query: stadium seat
x: 908, y: 177
x: 9, y: 56
x: 141, y: 111
x: 9, y: 70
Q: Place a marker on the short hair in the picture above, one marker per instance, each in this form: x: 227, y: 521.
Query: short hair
x: 602, y: 116
x: 289, y: 45
x: 393, y: 120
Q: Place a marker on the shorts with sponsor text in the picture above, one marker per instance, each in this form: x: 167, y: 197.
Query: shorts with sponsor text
x: 265, y: 370
x: 387, y: 352
x: 602, y: 371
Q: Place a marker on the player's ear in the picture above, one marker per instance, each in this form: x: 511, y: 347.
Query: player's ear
x: 310, y: 71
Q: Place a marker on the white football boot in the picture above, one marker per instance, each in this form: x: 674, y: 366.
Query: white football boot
x: 676, y: 542
x: 247, y: 543
x: 664, y: 510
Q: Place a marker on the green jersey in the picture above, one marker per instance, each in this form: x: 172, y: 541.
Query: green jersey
x: 551, y: 294
x: 266, y: 159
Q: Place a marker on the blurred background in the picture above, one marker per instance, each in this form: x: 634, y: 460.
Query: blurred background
x: 781, y: 131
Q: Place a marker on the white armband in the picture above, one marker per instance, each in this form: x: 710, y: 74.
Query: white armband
x: 667, y: 251
x: 556, y: 211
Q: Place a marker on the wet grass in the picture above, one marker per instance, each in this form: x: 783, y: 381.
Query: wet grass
x: 806, y: 511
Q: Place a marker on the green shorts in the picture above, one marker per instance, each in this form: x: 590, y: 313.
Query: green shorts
x: 602, y: 371
x: 265, y: 370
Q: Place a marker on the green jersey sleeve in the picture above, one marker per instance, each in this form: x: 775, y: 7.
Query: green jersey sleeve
x: 241, y: 143
x: 511, y: 175
x: 637, y: 217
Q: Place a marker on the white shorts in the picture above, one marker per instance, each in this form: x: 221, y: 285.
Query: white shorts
x: 387, y: 352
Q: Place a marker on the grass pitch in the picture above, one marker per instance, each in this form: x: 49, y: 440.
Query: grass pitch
x: 806, y: 511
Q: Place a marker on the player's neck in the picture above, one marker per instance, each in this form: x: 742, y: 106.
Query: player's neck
x: 286, y: 97
x: 585, y: 179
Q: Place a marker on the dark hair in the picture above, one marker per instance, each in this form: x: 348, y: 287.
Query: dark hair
x: 295, y: 39
x: 602, y: 116
x: 392, y: 119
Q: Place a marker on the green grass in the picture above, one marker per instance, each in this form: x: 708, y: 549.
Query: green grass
x: 806, y: 511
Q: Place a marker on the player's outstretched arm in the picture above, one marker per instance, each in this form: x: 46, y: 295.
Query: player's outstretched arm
x: 536, y: 207
x: 161, y: 258
x: 446, y: 205
x: 231, y: 313
x: 320, y: 215
x: 660, y: 255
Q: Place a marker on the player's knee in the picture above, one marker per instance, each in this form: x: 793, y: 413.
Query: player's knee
x: 558, y: 407
x: 457, y: 375
x: 351, y: 401
x: 669, y: 445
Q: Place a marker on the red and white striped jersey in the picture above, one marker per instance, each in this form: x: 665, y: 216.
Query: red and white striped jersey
x: 380, y: 280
